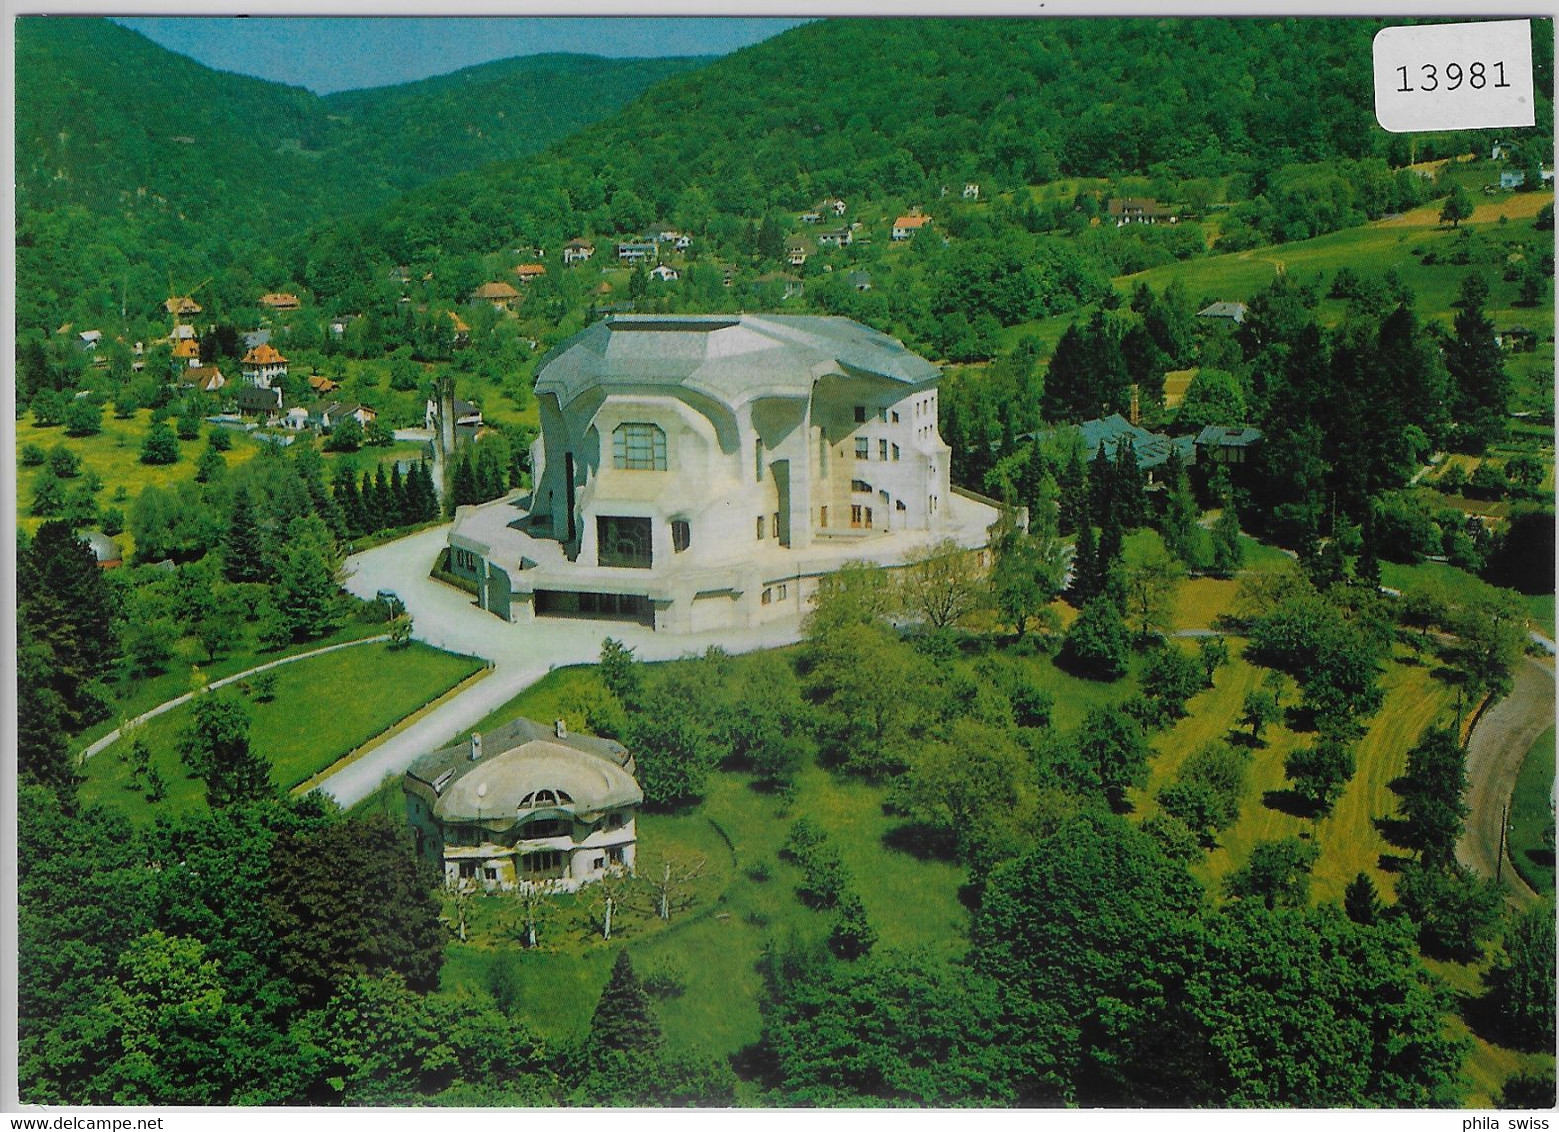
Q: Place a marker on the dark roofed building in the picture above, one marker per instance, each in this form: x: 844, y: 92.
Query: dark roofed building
x: 1152, y: 448
x: 525, y: 804
x: 1226, y: 444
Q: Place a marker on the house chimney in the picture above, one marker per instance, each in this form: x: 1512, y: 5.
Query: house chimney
x: 476, y: 745
x: 559, y: 729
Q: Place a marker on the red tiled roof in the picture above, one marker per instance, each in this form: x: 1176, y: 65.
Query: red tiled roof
x: 495, y: 291
x: 911, y: 221
x: 264, y: 355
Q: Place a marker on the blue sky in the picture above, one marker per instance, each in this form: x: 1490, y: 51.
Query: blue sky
x: 331, y: 54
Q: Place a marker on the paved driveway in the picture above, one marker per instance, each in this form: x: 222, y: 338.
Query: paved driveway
x: 448, y: 618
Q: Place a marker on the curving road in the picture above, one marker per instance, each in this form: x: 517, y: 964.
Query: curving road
x: 1495, y: 751
x: 448, y: 618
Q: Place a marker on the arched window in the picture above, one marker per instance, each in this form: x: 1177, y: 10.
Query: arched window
x: 639, y: 447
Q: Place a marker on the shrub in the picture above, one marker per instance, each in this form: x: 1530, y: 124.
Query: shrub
x: 666, y: 977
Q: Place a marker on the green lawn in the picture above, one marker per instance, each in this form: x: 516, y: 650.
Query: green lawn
x: 324, y: 707
x: 912, y: 903
x: 1531, y: 814
x: 133, y: 695
x: 1459, y: 586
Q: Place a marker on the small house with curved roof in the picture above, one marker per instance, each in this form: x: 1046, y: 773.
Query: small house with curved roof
x: 525, y: 804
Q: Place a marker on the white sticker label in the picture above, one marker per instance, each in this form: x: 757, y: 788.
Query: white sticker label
x: 1454, y: 76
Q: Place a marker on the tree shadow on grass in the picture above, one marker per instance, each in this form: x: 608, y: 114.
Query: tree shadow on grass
x: 1397, y: 831
x: 1486, y: 1017
x: 922, y: 841
x: 1391, y: 863
x: 1289, y: 802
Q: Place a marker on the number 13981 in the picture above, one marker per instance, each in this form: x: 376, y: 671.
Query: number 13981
x: 1453, y: 76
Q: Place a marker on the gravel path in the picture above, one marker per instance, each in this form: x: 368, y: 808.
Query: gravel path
x: 448, y: 618
x: 1495, y: 751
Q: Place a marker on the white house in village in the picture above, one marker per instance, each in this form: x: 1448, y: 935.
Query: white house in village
x: 698, y: 472
x: 263, y: 364
x: 525, y: 803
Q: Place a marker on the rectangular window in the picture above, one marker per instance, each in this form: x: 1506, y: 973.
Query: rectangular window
x: 766, y: 597
x: 536, y: 863
x: 598, y: 864
x: 882, y: 415
x: 863, y: 448
x: 781, y: 591
x: 776, y: 524
x: 860, y: 414
x: 882, y: 450
x: 615, y: 856
x: 489, y: 874
x: 681, y: 535
x: 467, y: 870
x: 639, y: 447
x: 855, y: 514
x: 895, y: 451
x: 623, y: 540
x: 860, y: 485
x: 760, y: 528
x: 895, y: 416
x: 822, y: 516
x: 757, y: 471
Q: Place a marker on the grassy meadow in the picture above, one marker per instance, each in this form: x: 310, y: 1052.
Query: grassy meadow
x: 324, y: 707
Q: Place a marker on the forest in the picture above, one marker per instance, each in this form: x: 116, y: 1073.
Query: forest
x: 1161, y: 808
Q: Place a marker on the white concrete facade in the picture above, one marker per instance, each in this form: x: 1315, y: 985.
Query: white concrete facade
x: 695, y: 472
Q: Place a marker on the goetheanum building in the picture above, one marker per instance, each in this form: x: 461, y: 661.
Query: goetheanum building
x: 525, y: 803
x: 697, y: 472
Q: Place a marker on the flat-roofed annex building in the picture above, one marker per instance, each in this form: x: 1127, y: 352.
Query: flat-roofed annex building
x: 696, y: 472
x: 525, y: 803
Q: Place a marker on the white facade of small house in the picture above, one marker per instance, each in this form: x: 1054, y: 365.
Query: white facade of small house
x: 525, y: 804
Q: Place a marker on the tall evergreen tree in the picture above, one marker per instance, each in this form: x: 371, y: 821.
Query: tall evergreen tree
x: 1472, y: 357
x: 399, y: 511
x: 624, y: 1019
x: 344, y: 489
x: 69, y: 609
x: 243, y: 543
x: 372, y: 506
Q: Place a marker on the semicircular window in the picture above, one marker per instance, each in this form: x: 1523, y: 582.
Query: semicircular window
x: 544, y: 797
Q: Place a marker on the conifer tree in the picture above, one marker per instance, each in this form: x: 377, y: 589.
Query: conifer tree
x: 400, y: 514
x: 624, y: 1019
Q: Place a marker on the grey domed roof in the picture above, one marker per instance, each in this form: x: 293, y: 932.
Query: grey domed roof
x: 729, y: 357
x: 537, y: 775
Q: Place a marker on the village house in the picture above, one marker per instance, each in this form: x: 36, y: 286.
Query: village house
x: 529, y: 271
x: 295, y: 418
x: 88, y: 341
x: 323, y: 385
x: 1227, y: 444
x: 467, y: 415
x: 1139, y: 210
x: 637, y: 251
x: 257, y: 400
x: 263, y: 365
x: 181, y: 332
x: 184, y: 307
x: 971, y: 191
x: 697, y: 472
x: 906, y: 227
x: 1152, y: 449
x: 338, y: 325
x: 810, y: 217
x: 834, y: 205
x: 280, y: 301
x: 836, y: 238
x: 500, y: 294
x: 665, y: 274
x: 525, y: 804
x: 206, y: 379
x: 106, y: 550
x: 776, y: 284
x: 797, y: 250
x: 577, y: 251
x: 326, y: 415
x: 187, y: 351
x: 1223, y: 311
x: 860, y: 280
